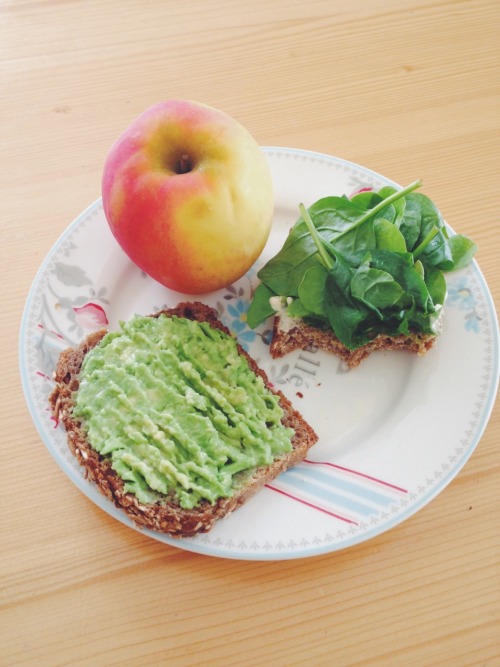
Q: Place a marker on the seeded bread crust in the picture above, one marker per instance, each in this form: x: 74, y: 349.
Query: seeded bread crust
x: 167, y: 516
x: 289, y: 337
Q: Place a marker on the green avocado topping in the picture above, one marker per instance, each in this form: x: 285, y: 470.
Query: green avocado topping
x: 177, y: 410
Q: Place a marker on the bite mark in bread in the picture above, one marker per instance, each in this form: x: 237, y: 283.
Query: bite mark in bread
x: 167, y: 516
x: 295, y: 334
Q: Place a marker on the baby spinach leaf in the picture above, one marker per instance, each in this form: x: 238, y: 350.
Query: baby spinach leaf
x: 411, y: 222
x: 312, y: 289
x: 359, y: 238
x: 335, y: 214
x: 436, y: 285
x: 367, y: 199
x: 375, y: 288
x: 431, y: 245
x: 284, y: 271
x: 462, y: 250
x: 388, y: 236
x: 344, y: 313
x: 437, y: 253
x: 401, y: 267
x: 419, y: 268
x: 387, y: 213
x: 260, y: 307
x: 297, y: 309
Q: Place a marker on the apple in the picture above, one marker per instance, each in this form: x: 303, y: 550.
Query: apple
x: 187, y: 193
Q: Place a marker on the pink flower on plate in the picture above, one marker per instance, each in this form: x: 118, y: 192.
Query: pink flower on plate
x: 359, y: 191
x: 91, y: 316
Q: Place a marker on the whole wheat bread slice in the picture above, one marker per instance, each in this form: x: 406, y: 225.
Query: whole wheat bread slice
x: 296, y: 334
x: 167, y: 516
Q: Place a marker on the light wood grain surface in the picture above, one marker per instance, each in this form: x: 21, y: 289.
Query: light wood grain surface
x: 408, y: 88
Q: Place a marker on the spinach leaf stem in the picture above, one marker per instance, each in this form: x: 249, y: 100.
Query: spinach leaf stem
x: 422, y: 246
x: 381, y: 205
x: 325, y: 257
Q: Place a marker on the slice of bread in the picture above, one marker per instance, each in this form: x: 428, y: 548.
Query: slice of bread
x: 295, y: 334
x: 167, y: 515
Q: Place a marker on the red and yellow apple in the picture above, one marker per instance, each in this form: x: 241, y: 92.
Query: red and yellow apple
x: 187, y: 193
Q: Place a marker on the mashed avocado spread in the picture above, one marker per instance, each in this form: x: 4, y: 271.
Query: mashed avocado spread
x: 178, y: 410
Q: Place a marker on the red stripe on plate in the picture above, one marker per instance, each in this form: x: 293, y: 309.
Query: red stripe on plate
x: 316, y: 507
x: 40, y: 326
x: 356, y: 472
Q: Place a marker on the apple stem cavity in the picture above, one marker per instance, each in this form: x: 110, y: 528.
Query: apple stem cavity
x: 184, y: 164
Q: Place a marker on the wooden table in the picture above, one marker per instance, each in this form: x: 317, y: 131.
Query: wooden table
x: 409, y: 89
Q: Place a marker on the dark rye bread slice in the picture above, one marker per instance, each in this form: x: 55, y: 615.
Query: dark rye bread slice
x: 167, y: 516
x: 290, y: 335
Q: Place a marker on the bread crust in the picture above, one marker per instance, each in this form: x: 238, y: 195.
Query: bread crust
x: 301, y: 335
x: 168, y: 516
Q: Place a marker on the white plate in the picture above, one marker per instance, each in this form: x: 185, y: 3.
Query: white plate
x: 392, y: 433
